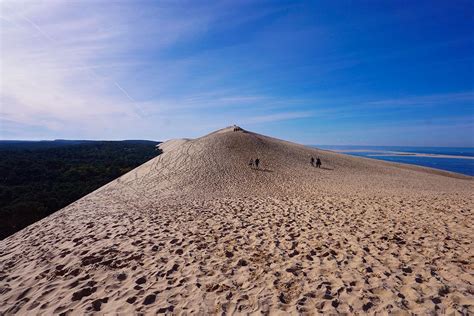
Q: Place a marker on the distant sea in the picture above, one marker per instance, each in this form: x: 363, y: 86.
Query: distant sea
x: 407, y: 155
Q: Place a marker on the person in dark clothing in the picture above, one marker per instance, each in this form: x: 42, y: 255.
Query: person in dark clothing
x: 312, y: 161
x: 318, y: 163
x: 257, y: 161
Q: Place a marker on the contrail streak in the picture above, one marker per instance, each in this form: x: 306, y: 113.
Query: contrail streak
x: 34, y: 25
x: 138, y: 109
x: 129, y: 97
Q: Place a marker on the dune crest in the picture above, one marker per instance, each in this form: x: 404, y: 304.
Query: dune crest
x: 199, y: 231
x: 172, y: 144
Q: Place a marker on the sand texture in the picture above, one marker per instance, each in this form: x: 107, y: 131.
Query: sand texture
x: 197, y: 231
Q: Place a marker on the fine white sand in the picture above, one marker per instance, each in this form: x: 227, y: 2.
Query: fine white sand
x: 197, y: 231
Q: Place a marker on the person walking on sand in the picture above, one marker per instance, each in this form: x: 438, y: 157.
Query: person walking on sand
x: 251, y: 163
x: 312, y: 161
x: 257, y: 161
x: 318, y: 163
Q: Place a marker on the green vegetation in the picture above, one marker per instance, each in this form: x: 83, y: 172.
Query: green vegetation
x: 39, y: 178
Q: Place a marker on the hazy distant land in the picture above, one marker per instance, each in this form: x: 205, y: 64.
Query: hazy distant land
x: 395, y: 153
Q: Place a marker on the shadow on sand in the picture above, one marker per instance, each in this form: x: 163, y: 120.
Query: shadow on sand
x: 325, y: 168
x: 262, y: 170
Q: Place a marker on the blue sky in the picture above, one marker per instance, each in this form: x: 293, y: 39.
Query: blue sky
x: 316, y: 72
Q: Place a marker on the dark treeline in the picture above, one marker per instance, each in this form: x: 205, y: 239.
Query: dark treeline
x: 39, y: 178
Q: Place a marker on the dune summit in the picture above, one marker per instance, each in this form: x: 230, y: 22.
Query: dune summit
x: 198, y: 231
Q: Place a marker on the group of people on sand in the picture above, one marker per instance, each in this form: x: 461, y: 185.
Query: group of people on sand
x: 318, y: 162
x: 254, y: 163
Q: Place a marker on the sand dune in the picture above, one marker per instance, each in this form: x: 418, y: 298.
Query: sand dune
x: 197, y: 231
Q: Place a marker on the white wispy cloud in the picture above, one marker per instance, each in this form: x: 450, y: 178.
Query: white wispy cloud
x: 56, y: 62
x: 276, y: 117
x: 68, y: 66
x: 34, y: 90
x: 426, y: 100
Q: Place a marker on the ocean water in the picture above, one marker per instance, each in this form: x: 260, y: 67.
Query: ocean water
x: 459, y: 165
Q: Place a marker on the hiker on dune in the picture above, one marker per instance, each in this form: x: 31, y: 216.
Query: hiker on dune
x: 318, y: 163
x: 257, y: 161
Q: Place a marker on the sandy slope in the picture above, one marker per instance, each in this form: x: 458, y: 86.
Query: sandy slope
x: 196, y: 230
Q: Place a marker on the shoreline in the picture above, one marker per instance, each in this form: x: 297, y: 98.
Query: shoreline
x: 384, y: 153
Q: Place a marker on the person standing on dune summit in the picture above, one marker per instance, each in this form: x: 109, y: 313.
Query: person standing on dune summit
x: 318, y: 163
x: 257, y: 161
x: 312, y: 161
